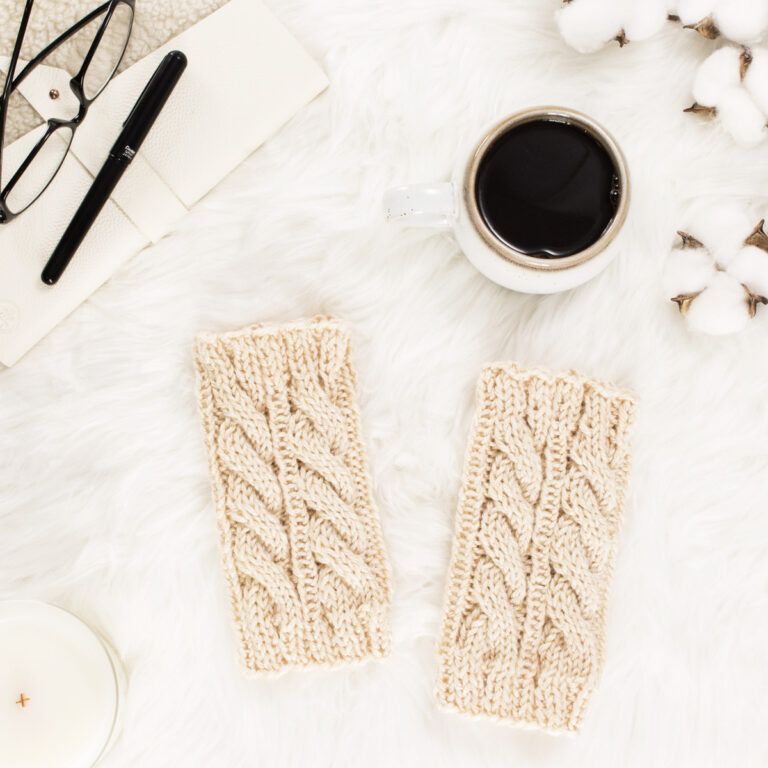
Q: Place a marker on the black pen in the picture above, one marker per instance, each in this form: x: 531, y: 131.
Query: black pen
x: 135, y: 129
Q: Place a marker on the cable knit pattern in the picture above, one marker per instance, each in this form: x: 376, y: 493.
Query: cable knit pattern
x: 535, y: 537
x: 300, y: 537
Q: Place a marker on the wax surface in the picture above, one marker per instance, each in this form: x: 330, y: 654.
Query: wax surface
x: 58, y: 690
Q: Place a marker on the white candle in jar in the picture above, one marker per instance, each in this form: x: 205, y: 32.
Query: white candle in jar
x: 60, y: 689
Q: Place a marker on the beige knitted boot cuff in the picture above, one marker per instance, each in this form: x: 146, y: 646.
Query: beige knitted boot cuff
x: 300, y: 537
x: 535, y: 536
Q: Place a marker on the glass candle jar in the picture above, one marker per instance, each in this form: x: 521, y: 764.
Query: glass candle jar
x: 61, y: 688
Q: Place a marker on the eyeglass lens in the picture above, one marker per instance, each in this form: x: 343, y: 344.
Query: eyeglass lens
x: 49, y: 156
x: 109, y: 51
x: 46, y: 161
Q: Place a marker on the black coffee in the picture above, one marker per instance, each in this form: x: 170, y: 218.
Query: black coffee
x: 547, y: 188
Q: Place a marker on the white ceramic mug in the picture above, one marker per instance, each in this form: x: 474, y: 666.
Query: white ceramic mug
x: 453, y: 205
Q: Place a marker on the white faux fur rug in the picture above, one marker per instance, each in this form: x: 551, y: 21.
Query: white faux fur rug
x: 105, y: 504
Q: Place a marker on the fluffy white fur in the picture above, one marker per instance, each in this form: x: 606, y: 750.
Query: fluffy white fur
x: 105, y: 504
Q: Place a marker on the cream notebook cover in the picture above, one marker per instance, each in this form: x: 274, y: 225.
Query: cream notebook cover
x: 245, y: 78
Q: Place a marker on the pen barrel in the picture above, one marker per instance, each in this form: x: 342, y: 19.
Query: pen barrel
x: 135, y: 129
x: 95, y: 199
x: 151, y: 101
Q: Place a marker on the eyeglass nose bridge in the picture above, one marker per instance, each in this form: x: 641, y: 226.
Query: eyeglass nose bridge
x: 76, y: 85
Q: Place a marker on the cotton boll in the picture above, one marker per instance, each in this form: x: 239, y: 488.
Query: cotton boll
x: 716, y: 75
x: 743, y: 21
x: 644, y: 19
x: 687, y: 271
x: 756, y: 79
x: 750, y: 267
x: 721, y: 309
x: 741, y: 117
x: 693, y: 11
x: 587, y: 25
x: 723, y: 227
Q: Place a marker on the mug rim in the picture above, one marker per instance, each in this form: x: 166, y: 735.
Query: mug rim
x: 570, y: 116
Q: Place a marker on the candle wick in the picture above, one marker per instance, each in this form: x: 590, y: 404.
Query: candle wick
x: 23, y: 700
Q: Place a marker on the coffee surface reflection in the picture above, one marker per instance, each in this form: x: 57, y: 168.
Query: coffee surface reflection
x: 547, y: 188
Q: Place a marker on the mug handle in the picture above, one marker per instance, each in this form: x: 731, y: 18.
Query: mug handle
x: 422, y: 205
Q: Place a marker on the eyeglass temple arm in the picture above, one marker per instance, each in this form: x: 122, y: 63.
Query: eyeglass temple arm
x: 8, y: 85
x: 63, y: 37
x: 11, y: 82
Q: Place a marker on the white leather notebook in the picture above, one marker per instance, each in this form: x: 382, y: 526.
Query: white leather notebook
x: 245, y: 78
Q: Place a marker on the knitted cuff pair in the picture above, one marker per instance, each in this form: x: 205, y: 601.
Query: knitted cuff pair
x: 303, y: 553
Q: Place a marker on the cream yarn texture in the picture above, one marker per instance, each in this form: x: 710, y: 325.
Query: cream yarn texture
x: 535, y: 536
x: 300, y: 538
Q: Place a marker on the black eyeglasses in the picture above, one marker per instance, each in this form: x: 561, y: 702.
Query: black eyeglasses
x: 25, y: 177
